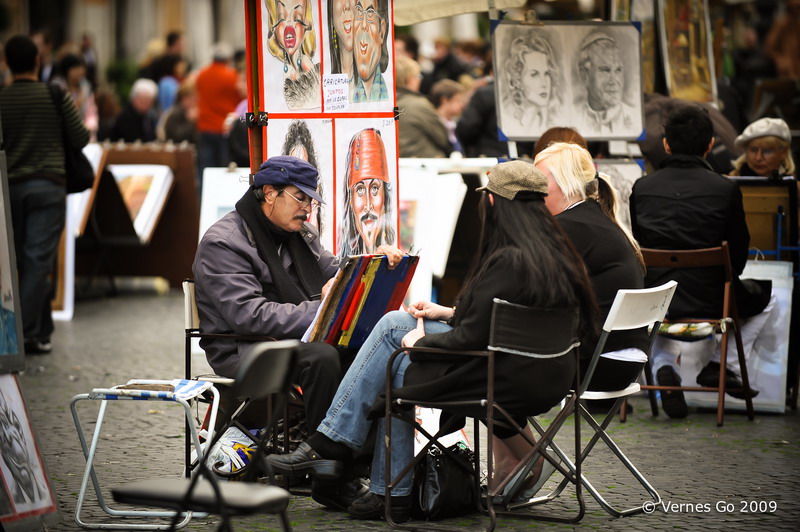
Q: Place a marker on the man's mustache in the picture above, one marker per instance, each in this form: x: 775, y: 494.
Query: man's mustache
x: 369, y: 216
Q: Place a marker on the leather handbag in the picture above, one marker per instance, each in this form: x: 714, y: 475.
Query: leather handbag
x: 78, y: 169
x: 444, y: 484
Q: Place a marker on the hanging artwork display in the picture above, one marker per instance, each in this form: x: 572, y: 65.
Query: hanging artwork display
x: 686, y: 48
x: 584, y: 75
x: 310, y: 139
x: 644, y: 12
x: 26, y: 497
x: 12, y: 354
x: 366, y: 184
x: 327, y: 86
x: 339, y: 60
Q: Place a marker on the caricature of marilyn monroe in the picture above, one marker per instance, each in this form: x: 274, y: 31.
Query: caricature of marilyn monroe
x: 291, y: 39
x: 533, y: 85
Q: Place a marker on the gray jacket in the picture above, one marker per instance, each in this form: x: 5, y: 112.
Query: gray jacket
x: 235, y: 291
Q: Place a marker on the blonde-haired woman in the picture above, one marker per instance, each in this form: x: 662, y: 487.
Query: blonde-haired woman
x: 291, y: 39
x: 584, y: 206
x: 766, y: 144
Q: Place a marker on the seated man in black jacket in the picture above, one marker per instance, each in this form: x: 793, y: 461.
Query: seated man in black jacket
x: 686, y: 205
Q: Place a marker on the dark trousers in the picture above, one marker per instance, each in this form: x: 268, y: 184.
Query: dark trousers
x: 318, y: 372
x: 38, y: 210
x: 212, y: 152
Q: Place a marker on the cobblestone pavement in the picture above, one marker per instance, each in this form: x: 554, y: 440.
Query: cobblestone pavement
x: 711, y: 478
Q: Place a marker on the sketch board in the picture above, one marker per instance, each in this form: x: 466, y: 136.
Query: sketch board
x: 586, y: 75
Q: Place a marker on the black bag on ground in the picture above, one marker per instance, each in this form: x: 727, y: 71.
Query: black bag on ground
x: 444, y: 485
x: 79, y: 171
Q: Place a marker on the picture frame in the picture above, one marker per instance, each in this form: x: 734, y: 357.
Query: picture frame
x: 26, y: 495
x: 585, y: 75
x: 644, y: 12
x: 686, y: 49
x: 12, y: 350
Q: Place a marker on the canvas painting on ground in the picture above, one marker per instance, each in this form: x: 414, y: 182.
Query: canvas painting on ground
x: 12, y: 355
x: 221, y: 190
x: 25, y: 492
x: 584, y: 75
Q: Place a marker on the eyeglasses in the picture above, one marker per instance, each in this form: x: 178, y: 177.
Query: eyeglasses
x: 765, y: 152
x: 303, y: 202
x: 372, y: 15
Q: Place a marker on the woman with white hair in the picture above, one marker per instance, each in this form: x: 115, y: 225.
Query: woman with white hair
x: 766, y: 144
x: 584, y: 205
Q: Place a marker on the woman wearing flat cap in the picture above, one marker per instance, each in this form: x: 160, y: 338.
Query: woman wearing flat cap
x: 766, y: 150
x: 523, y: 257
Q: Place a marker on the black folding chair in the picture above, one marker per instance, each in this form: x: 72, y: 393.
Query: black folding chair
x: 264, y: 370
x: 515, y: 330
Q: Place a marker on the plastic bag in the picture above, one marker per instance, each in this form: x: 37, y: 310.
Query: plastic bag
x: 232, y: 452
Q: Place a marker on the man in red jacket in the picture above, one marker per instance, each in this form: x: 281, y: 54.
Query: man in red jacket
x: 217, y: 95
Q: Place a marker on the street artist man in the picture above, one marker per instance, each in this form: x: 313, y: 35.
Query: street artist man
x: 261, y: 270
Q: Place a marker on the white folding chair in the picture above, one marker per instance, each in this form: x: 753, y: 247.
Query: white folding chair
x: 632, y: 309
x: 179, y: 391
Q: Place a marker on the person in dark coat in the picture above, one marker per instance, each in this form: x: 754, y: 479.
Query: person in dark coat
x: 137, y: 121
x: 523, y: 258
x: 687, y: 205
x: 477, y: 128
x: 583, y: 203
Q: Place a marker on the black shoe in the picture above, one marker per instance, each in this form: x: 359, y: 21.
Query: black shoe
x: 709, y: 377
x: 38, y: 347
x: 672, y: 401
x: 371, y: 506
x: 304, y: 459
x: 338, y: 495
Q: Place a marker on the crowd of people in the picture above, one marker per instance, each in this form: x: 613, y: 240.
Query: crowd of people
x: 551, y: 237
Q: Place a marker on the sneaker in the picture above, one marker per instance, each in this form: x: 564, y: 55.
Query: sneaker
x: 38, y: 347
x: 672, y: 401
x: 709, y: 377
x: 371, y: 506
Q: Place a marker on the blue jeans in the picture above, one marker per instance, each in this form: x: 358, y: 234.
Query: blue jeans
x: 346, y: 421
x: 38, y: 212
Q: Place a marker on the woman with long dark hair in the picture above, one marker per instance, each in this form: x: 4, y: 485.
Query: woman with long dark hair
x: 524, y: 258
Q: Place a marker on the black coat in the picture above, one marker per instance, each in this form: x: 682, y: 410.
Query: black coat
x: 611, y: 265
x: 686, y: 205
x: 477, y: 128
x: 524, y: 385
x: 131, y: 126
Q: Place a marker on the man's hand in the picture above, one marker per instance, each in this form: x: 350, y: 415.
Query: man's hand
x: 431, y: 311
x: 392, y: 253
x: 411, y: 337
x: 326, y: 287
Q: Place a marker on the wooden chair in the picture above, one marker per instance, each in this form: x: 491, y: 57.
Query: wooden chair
x: 726, y: 323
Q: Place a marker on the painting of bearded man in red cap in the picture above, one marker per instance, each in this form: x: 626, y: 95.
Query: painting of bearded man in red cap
x: 368, y: 210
